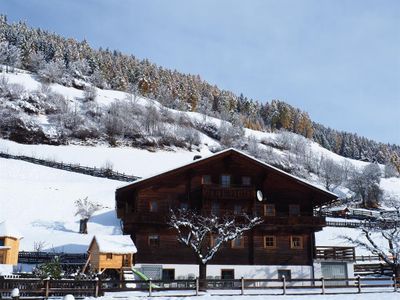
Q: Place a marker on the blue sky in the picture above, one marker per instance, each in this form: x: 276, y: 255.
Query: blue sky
x: 338, y: 60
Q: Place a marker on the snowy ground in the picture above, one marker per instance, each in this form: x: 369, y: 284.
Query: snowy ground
x: 39, y: 202
x: 233, y: 295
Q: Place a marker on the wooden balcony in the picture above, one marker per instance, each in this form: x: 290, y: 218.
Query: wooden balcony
x: 217, y: 192
x: 335, y: 253
x: 311, y: 221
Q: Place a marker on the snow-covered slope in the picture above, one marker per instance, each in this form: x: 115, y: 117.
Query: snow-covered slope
x: 39, y: 201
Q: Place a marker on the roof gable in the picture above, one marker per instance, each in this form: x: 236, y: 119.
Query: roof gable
x: 117, y: 244
x: 221, y: 155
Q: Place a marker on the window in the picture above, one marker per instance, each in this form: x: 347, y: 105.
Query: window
x: 184, y: 206
x: 215, y: 208
x: 206, y: 179
x: 1, y: 242
x: 286, y: 273
x: 109, y: 256
x: 227, y: 274
x: 153, y: 206
x: 269, y: 210
x: 238, y: 209
x: 294, y: 210
x: 269, y: 241
x: 225, y: 180
x: 238, y: 243
x: 246, y: 180
x: 296, y: 242
x: 154, y: 240
x: 168, y: 274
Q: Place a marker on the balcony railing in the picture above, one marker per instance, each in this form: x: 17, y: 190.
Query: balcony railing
x: 217, y: 192
x: 335, y: 253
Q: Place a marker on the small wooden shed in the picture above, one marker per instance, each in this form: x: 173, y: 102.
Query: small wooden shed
x: 111, y: 252
x: 9, y: 244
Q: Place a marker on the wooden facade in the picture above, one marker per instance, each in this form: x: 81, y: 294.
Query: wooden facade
x: 9, y: 249
x: 104, y: 257
x: 225, y: 183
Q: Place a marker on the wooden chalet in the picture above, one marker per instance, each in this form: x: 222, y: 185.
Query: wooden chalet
x: 9, y: 245
x: 227, y: 182
x: 111, y: 252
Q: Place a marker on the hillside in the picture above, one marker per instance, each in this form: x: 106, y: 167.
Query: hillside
x: 57, y: 59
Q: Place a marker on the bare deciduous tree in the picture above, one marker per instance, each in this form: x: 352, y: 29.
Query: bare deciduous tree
x: 331, y: 173
x: 85, y: 208
x: 205, y: 235
x: 389, y: 231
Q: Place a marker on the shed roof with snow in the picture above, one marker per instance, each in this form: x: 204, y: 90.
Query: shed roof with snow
x: 7, y: 231
x: 117, y: 244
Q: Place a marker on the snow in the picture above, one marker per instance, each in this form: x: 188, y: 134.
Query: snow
x: 8, y: 231
x: 39, y: 202
x: 117, y: 244
x: 138, y: 162
x: 254, y: 295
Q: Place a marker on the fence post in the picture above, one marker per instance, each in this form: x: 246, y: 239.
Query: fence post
x: 242, y: 286
x: 284, y: 284
x: 323, y: 285
x: 197, y: 286
x: 150, y: 287
x: 359, y: 283
x: 394, y: 283
x: 96, y: 288
x: 47, y: 287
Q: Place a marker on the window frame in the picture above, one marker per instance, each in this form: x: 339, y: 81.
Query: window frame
x: 153, y: 208
x: 151, y: 238
x: 215, y: 208
x: 204, y: 181
x: 274, y: 246
x: 240, y: 246
x: 291, y: 206
x: 301, y: 240
x: 222, y: 181
x: 266, y: 214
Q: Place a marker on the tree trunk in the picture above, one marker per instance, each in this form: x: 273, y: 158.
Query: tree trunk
x: 202, y: 276
x: 83, y: 226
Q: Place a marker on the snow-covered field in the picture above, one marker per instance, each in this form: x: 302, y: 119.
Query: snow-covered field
x: 233, y: 295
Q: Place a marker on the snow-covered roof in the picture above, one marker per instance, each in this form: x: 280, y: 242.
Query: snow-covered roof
x: 244, y: 154
x: 7, y: 231
x: 117, y: 244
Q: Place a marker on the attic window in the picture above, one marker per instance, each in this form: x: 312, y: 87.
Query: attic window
x: 109, y: 256
x: 1, y: 242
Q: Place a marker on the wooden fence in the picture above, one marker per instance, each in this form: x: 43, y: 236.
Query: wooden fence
x: 38, y: 288
x: 77, y: 168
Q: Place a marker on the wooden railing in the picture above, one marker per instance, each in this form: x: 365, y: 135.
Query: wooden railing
x: 295, y: 221
x: 335, y: 253
x: 38, y: 288
x: 35, y: 257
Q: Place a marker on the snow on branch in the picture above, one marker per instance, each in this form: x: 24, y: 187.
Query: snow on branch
x: 206, y: 234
